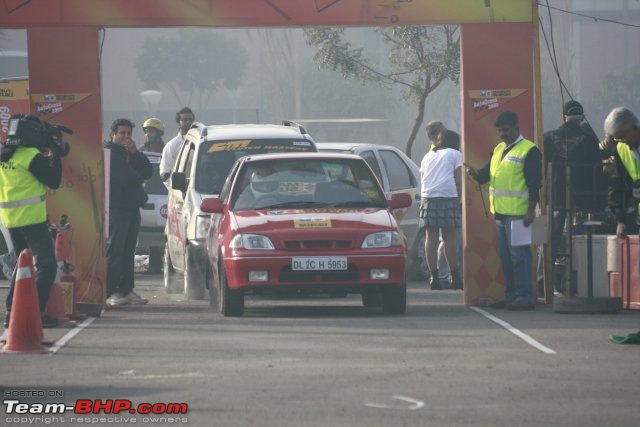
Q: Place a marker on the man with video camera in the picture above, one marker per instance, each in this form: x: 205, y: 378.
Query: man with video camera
x: 29, y: 163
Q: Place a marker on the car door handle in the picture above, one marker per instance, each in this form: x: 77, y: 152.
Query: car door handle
x: 149, y: 206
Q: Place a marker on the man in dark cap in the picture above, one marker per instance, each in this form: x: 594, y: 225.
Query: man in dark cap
x: 575, y: 145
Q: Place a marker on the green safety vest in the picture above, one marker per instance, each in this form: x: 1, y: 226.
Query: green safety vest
x: 630, y: 163
x: 21, y: 194
x: 508, y: 192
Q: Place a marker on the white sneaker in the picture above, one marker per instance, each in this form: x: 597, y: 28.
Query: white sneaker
x: 135, y: 299
x: 117, y: 299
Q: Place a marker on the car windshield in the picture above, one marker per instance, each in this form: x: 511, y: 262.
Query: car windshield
x: 215, y: 158
x: 279, y: 184
x: 154, y: 185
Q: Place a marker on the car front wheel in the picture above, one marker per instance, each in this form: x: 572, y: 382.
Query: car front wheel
x: 394, y: 299
x: 232, y: 302
x: 171, y: 282
x: 194, y: 276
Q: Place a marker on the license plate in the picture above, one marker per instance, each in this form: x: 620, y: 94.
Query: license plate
x: 319, y: 263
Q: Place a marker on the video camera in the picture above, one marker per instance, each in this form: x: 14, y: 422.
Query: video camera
x: 26, y: 130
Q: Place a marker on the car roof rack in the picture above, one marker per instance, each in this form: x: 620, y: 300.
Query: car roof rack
x: 291, y: 123
x: 201, y: 127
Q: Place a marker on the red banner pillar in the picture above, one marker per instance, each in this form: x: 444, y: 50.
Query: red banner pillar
x: 496, y: 75
x: 64, y: 80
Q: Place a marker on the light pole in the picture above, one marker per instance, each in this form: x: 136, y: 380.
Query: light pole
x: 151, y: 98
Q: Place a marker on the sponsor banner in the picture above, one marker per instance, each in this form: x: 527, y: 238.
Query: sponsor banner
x: 485, y: 100
x: 159, y: 13
x: 14, y: 99
x: 46, y: 106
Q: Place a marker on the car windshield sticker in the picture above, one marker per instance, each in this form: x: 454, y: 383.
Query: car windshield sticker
x: 285, y: 212
x: 260, y: 146
x: 230, y: 146
x: 312, y: 223
x: 297, y: 188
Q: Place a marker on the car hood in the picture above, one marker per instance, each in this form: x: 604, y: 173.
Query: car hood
x: 342, y: 220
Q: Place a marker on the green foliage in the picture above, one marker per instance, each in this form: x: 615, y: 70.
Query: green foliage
x: 197, y: 62
x: 420, y: 58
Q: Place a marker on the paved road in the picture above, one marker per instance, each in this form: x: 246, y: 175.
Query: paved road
x: 330, y: 362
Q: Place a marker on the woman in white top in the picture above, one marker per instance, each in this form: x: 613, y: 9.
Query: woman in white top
x: 440, y: 208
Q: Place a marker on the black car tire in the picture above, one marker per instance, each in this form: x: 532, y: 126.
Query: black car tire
x: 171, y: 282
x: 394, y: 299
x: 371, y: 299
x: 232, y: 301
x: 194, y: 276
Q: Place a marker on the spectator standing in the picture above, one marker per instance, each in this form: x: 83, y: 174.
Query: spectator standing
x: 184, y: 119
x: 514, y: 173
x: 571, y: 145
x: 153, y: 131
x: 27, y: 167
x: 440, y: 172
x: 623, y: 126
x: 433, y: 129
x: 128, y: 170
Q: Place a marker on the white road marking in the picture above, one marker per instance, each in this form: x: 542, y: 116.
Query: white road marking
x: 415, y: 404
x: 526, y: 338
x: 131, y: 374
x: 72, y: 333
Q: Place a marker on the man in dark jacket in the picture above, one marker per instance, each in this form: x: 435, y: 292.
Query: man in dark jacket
x: 128, y: 170
x: 573, y: 145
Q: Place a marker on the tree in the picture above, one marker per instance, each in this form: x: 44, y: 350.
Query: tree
x: 196, y: 63
x: 420, y: 59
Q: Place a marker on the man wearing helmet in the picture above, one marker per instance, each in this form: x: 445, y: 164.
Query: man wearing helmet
x: 153, y: 130
x: 262, y: 183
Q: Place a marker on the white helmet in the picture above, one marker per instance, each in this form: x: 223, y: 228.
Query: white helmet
x: 263, y: 182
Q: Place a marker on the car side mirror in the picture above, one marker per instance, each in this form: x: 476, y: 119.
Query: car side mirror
x: 212, y: 205
x: 400, y: 200
x: 179, y: 181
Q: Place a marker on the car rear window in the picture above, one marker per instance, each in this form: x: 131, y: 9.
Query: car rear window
x: 216, y: 158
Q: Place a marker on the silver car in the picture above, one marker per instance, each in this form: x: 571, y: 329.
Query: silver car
x: 398, y: 174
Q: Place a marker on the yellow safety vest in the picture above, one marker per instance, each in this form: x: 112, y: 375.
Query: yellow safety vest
x: 508, y: 192
x: 21, y: 194
x: 630, y: 163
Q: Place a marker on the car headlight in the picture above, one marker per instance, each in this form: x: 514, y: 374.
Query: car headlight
x: 202, y: 226
x: 251, y: 241
x: 383, y: 239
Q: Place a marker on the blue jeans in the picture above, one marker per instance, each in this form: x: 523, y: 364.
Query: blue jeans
x: 516, y: 264
x: 37, y: 238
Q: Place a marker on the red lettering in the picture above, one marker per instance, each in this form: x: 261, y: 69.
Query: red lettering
x: 83, y: 406
x: 121, y: 405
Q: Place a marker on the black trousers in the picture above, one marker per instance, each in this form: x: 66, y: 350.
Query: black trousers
x: 124, y: 225
x: 36, y: 237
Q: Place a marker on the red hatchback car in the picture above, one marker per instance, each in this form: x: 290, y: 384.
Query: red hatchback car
x: 311, y: 222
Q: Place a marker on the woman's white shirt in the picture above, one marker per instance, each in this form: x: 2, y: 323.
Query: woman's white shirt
x: 437, y: 170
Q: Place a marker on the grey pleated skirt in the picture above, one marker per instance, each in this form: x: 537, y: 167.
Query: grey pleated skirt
x: 440, y: 212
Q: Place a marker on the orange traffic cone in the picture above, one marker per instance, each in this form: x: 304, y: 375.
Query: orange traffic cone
x: 25, y: 326
x: 55, y: 306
